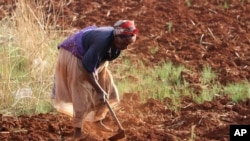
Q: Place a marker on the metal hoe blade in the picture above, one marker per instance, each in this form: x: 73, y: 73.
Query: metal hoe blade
x: 121, y: 133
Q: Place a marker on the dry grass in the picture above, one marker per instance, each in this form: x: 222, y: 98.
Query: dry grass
x: 28, y: 55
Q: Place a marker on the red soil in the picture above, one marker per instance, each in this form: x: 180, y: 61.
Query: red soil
x: 204, y: 33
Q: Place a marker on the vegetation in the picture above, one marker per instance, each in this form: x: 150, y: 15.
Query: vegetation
x: 169, y: 26
x: 28, y: 56
x: 165, y: 81
x: 238, y: 91
x: 188, y: 2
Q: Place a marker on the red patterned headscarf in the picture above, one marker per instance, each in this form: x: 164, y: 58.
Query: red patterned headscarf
x: 125, y: 27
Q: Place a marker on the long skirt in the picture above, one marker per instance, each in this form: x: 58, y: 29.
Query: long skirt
x: 75, y: 96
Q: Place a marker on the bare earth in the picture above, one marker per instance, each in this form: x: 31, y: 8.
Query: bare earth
x: 206, y: 33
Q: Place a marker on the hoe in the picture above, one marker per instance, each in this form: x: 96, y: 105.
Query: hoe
x: 121, y: 133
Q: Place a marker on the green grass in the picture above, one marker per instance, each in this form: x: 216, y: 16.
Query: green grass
x: 238, y: 91
x: 210, y: 88
x: 158, y: 82
x: 162, y: 81
x: 208, y: 76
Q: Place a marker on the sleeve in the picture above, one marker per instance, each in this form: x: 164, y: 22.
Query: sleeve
x: 91, y: 58
x: 96, y: 45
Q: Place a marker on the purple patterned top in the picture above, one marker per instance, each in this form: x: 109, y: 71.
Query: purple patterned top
x: 92, y: 45
x: 74, y: 42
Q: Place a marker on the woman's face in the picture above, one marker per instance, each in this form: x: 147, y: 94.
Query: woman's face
x: 122, y: 41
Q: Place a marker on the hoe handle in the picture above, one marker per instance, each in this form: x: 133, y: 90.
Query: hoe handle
x: 114, y: 115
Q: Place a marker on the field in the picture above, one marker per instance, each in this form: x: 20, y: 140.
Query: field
x: 194, y: 33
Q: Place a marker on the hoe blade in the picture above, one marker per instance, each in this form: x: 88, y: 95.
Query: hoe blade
x: 119, y: 135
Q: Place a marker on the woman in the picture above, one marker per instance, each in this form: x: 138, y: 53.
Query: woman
x: 82, y: 79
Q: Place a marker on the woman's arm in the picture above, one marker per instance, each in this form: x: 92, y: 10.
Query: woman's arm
x: 94, y: 82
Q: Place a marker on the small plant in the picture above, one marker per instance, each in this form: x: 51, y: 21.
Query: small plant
x: 164, y: 71
x: 208, y: 94
x: 176, y: 75
x: 225, y: 4
x: 169, y: 26
x: 209, y: 87
x: 154, y: 50
x: 188, y: 2
x: 238, y: 91
x: 208, y: 76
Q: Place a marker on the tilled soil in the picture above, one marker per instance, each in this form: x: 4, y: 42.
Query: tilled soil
x: 214, y: 33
